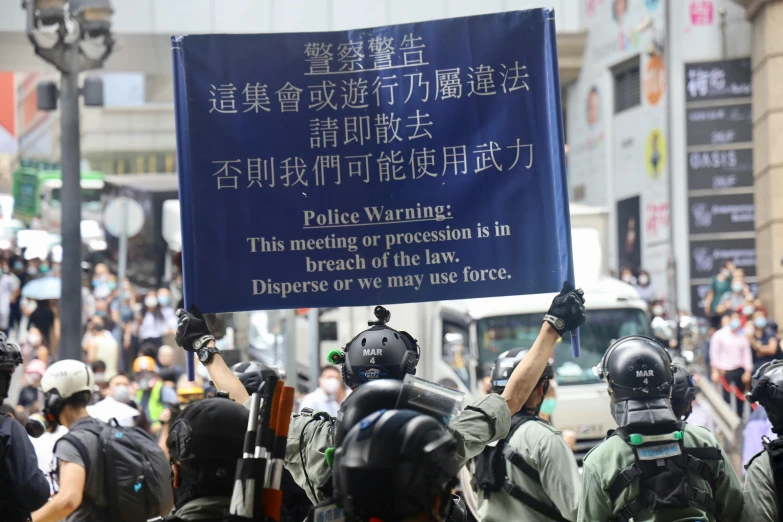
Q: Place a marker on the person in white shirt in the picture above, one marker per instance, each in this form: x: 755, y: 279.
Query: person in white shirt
x: 331, y: 392
x: 9, y: 284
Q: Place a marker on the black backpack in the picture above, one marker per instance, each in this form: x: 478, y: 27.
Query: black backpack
x: 490, y: 474
x: 775, y: 450
x: 661, y: 466
x: 10, y: 507
x: 136, y: 471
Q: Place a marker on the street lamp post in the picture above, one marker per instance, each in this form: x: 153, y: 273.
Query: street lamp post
x: 74, y: 36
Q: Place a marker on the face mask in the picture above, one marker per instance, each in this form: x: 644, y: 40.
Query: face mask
x: 643, y: 280
x: 146, y: 384
x: 95, y: 283
x: 657, y: 310
x: 724, y: 273
x: 735, y: 324
x: 737, y: 287
x: 99, y: 377
x: 150, y: 302
x: 748, y: 310
x: 331, y: 385
x: 35, y: 340
x: 32, y: 271
x: 548, y: 406
x: 112, y: 285
x: 163, y: 300
x: 18, y: 266
x: 44, y: 269
x: 760, y: 322
x: 121, y: 393
x: 627, y: 278
x: 100, y: 313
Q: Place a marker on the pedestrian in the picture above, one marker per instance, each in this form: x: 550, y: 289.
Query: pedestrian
x: 35, y: 346
x: 24, y: 486
x: 732, y: 360
x: 654, y: 467
x: 100, y: 345
x: 734, y: 300
x: 329, y: 395
x: 396, y: 354
x: 396, y: 465
x: 626, y: 276
x: 762, y: 493
x: 30, y: 398
x: 764, y: 343
x: 531, y: 474
x: 18, y: 269
x: 644, y: 288
x: 152, y: 396
x: 41, y: 315
x: 720, y: 284
x: 167, y: 360
x: 156, y: 322
x: 205, y: 443
x: 9, y: 288
x: 101, y: 470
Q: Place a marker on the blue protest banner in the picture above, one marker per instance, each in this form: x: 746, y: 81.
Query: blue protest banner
x: 415, y: 162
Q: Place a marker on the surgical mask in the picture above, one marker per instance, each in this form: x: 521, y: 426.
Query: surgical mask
x: 100, y: 377
x: 95, y: 283
x: 748, y: 310
x: 627, y: 278
x: 112, y: 285
x: 150, y: 301
x: 32, y: 270
x: 18, y: 266
x: 34, y: 339
x: 331, y: 385
x: 735, y: 324
x: 100, y: 313
x: 146, y: 384
x: 44, y: 269
x: 725, y: 272
x: 163, y: 300
x: 737, y: 287
x: 657, y: 310
x: 548, y: 406
x: 121, y: 393
x: 643, y: 280
x: 760, y: 322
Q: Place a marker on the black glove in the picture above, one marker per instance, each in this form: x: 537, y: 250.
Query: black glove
x: 568, y: 309
x: 191, y: 326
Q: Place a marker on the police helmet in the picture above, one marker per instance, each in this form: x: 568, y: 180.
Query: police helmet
x: 507, y: 362
x: 684, y: 391
x: 251, y: 374
x: 374, y: 396
x: 63, y: 382
x: 210, y: 431
x: 10, y: 358
x: 379, y: 352
x: 637, y: 367
x: 766, y: 388
x: 393, y: 465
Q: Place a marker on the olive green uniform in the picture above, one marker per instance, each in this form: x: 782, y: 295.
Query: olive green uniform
x: 483, y: 421
x: 543, y: 448
x: 605, y: 462
x: 760, y: 497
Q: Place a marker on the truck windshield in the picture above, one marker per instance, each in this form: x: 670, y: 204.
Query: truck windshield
x: 499, y: 334
x: 91, y: 199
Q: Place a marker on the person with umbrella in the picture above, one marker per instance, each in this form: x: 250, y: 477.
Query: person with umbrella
x: 42, y: 311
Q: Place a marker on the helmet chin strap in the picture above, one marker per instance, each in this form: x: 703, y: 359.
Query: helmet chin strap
x: 643, y: 412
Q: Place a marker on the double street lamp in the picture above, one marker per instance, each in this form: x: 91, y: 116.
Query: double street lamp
x: 74, y: 36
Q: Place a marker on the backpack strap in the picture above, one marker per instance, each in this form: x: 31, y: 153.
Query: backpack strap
x: 519, y: 462
x: 532, y: 503
x: 623, y: 480
x: 775, y: 451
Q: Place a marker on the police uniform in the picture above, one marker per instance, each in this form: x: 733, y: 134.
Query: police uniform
x: 542, y: 447
x: 483, y: 421
x: 760, y: 496
x: 604, y: 464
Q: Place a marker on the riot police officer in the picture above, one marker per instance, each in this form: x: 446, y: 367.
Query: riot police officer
x: 683, y: 393
x: 396, y: 465
x: 23, y: 487
x: 381, y: 352
x: 764, y: 476
x: 654, y: 466
x: 532, y: 473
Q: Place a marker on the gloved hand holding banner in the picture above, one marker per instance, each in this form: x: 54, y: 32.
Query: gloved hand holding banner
x: 407, y: 163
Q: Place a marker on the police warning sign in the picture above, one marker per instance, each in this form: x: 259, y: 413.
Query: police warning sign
x: 405, y: 163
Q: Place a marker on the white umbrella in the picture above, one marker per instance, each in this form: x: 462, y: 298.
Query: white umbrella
x: 108, y: 409
x: 43, y: 288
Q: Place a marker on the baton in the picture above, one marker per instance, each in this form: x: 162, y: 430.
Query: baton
x: 273, y: 495
x: 248, y: 474
x: 576, y: 344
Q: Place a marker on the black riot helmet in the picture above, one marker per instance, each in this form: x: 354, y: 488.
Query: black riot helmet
x: 393, y: 465
x: 637, y: 368
x: 365, y: 400
x: 507, y: 362
x: 10, y: 358
x: 379, y: 352
x: 766, y: 388
x: 684, y: 391
x: 251, y: 374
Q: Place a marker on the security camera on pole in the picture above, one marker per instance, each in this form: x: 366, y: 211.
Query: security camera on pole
x: 74, y: 36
